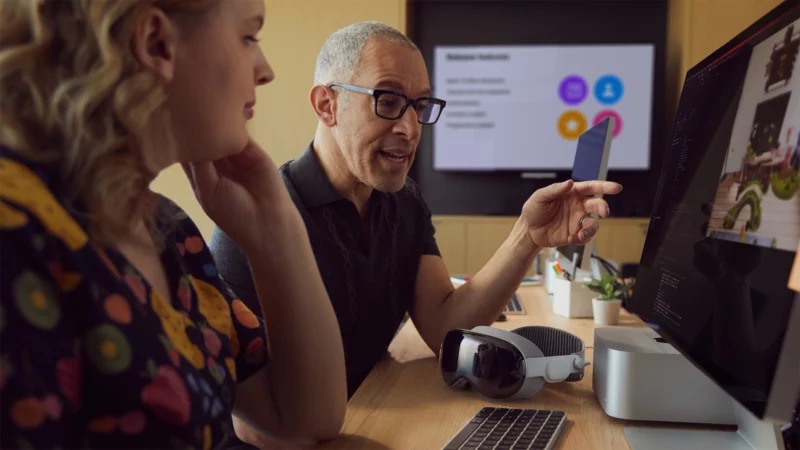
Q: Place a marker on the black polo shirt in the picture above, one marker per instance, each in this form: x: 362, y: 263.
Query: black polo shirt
x: 371, y: 288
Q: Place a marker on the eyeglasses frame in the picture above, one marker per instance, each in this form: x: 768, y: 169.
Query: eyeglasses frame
x: 378, y: 92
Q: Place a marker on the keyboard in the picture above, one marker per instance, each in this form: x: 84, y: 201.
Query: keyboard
x: 514, y: 306
x: 510, y: 429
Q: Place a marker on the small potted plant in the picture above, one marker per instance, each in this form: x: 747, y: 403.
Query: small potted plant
x: 612, y: 291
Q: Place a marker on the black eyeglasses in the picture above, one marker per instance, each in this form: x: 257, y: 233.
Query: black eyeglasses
x: 392, y: 105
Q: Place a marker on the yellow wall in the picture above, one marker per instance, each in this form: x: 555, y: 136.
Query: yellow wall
x: 284, y: 123
x: 698, y: 27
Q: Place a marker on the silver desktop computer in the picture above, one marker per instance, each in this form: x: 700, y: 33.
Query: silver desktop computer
x: 714, y: 277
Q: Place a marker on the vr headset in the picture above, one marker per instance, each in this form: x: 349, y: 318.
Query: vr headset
x: 514, y: 364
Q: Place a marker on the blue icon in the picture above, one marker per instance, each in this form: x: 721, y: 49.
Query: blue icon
x: 608, y: 89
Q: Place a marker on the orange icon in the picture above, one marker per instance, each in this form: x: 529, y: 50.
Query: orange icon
x: 571, y: 125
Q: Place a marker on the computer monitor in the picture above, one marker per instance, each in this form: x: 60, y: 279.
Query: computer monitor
x: 590, y: 163
x: 725, y: 225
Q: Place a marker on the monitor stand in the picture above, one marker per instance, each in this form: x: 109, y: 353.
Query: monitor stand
x: 753, y: 434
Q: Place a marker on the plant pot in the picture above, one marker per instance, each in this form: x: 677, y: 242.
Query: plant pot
x: 606, y: 312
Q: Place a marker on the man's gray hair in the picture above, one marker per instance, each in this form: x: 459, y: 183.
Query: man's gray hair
x: 339, y: 57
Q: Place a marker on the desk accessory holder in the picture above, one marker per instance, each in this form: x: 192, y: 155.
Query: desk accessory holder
x: 572, y: 298
x: 549, y: 274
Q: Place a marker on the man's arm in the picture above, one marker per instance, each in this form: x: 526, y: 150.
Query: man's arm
x: 439, y: 307
x: 550, y: 218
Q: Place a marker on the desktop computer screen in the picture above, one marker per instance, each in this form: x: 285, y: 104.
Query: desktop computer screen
x: 725, y: 226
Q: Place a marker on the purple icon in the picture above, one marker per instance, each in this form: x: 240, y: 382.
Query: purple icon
x: 573, y: 90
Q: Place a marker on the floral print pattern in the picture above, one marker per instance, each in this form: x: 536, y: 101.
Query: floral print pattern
x: 90, y: 355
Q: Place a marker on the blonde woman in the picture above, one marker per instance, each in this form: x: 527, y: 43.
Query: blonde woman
x: 116, y: 330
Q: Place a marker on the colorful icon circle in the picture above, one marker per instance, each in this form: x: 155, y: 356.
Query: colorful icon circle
x: 608, y: 89
x: 571, y: 125
x: 609, y: 113
x: 573, y: 90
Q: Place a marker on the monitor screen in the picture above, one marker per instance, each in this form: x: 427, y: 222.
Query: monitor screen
x: 725, y: 227
x: 523, y: 107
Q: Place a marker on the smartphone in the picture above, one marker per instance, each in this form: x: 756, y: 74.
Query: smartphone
x: 591, y: 163
x: 594, y: 147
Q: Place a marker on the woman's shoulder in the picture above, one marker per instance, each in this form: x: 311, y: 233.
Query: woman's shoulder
x: 175, y: 225
x: 31, y: 200
x: 172, y: 218
x: 178, y: 229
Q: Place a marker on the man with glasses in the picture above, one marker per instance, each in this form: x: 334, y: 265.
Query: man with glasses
x: 370, y: 228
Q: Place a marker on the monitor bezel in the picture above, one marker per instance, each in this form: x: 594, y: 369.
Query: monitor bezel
x: 786, y: 379
x: 787, y: 372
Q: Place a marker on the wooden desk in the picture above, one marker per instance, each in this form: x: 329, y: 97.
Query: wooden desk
x: 404, y: 404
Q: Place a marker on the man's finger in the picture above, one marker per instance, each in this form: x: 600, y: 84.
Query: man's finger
x: 597, y: 206
x: 554, y: 191
x: 588, y: 188
x: 585, y: 235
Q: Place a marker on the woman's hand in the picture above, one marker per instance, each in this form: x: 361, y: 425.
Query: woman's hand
x: 242, y: 194
x: 246, y: 197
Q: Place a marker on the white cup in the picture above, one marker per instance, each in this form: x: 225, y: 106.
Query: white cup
x: 572, y: 298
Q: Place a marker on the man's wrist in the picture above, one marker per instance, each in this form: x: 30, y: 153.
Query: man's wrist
x: 521, y: 239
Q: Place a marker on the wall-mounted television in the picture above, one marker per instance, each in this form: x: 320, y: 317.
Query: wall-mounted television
x: 518, y: 76
x: 523, y: 107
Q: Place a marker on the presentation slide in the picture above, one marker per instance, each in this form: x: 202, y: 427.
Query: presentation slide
x: 523, y: 107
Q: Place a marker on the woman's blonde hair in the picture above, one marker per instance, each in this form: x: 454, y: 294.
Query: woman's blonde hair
x: 73, y: 94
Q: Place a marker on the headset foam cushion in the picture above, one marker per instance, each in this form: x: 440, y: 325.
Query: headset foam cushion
x: 554, y: 342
